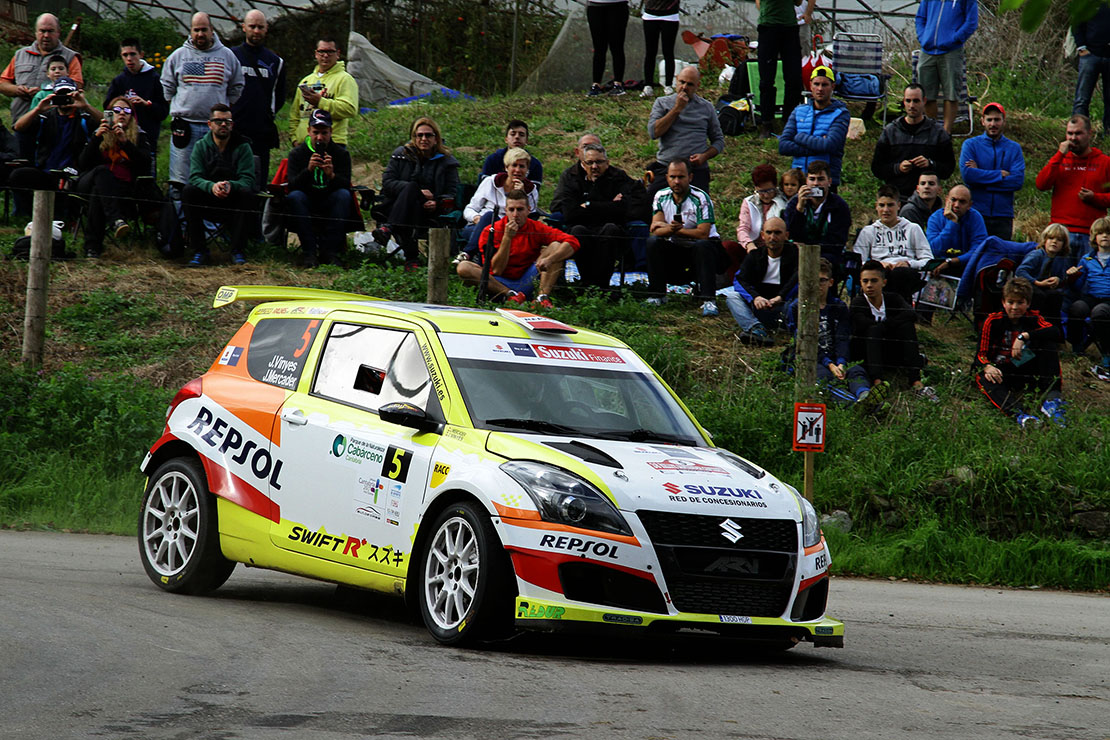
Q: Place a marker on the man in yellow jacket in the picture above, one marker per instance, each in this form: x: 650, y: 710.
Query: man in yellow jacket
x: 328, y: 87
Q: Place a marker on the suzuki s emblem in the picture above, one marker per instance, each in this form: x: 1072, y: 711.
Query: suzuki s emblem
x: 732, y: 531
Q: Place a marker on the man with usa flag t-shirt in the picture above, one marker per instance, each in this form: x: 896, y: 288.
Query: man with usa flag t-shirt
x: 196, y: 76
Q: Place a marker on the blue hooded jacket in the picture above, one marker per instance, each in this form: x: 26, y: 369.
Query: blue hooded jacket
x: 811, y: 134
x: 991, y: 193
x: 944, y: 25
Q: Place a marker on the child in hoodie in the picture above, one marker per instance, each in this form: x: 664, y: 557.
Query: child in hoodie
x: 896, y: 242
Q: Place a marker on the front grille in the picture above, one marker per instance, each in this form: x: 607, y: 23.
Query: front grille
x: 667, y: 528
x: 596, y: 584
x: 707, y: 573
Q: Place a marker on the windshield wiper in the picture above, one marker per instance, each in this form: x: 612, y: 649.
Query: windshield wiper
x: 647, y: 435
x: 535, y: 425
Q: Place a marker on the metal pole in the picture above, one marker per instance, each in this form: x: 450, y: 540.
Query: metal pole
x: 512, y: 62
x: 38, y: 278
x: 351, y: 24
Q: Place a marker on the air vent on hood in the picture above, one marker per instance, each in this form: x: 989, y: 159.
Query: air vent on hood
x: 586, y: 452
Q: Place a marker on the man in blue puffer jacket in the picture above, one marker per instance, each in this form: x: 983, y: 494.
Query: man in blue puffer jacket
x: 818, y: 131
x: 943, y: 27
x: 994, y: 169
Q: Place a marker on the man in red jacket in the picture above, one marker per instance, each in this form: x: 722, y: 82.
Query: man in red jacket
x: 1079, y: 177
x: 526, y: 251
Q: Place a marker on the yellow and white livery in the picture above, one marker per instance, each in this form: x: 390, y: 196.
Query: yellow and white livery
x: 498, y: 469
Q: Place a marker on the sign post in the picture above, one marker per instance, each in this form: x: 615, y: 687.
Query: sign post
x: 809, y: 437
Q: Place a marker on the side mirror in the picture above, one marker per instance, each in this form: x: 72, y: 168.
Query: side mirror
x: 408, y: 415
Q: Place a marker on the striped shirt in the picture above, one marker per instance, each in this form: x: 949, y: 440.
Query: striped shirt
x: 696, y: 209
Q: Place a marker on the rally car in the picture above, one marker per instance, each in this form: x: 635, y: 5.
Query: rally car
x: 498, y: 469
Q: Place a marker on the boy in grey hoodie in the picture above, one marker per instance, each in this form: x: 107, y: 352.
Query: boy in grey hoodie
x: 196, y: 76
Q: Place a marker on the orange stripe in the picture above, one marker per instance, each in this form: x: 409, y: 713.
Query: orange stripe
x: 816, y: 548
x: 806, y: 583
x: 508, y: 512
x: 531, y: 520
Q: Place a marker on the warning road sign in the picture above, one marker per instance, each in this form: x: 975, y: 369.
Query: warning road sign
x: 809, y: 426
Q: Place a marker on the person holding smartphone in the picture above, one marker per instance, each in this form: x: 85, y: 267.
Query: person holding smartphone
x: 327, y: 87
x: 112, y: 161
x: 817, y: 216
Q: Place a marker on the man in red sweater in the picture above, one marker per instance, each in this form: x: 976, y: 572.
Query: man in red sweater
x: 1079, y: 177
x: 525, y: 250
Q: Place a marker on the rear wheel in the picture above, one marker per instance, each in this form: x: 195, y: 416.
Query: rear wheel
x: 465, y: 587
x: 179, y: 539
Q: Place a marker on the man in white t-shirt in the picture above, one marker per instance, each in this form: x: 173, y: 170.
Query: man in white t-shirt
x: 764, y: 284
x: 898, y: 243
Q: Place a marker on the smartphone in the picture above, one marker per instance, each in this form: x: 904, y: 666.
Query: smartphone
x: 1025, y: 356
x: 304, y: 88
x: 109, y: 116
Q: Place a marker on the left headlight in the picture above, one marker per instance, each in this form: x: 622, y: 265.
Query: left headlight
x: 565, y: 498
x: 811, y: 525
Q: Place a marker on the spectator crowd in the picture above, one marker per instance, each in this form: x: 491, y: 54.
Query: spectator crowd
x: 925, y: 249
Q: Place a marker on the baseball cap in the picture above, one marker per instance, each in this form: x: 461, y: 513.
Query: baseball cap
x: 64, y: 85
x: 822, y: 71
x: 1001, y: 110
x: 319, y: 118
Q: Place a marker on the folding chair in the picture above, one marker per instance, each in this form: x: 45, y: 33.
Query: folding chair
x: 753, y: 86
x: 963, y: 108
x: 857, y: 60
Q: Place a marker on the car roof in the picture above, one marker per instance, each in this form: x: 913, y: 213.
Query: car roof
x: 500, y: 322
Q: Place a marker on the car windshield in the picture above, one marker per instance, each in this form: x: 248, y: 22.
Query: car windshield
x: 586, y: 402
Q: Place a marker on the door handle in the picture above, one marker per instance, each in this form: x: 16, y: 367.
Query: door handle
x: 294, y: 416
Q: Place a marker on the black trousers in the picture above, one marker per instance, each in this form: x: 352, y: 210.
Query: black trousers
x: 607, y: 26
x: 26, y: 179
x: 775, y: 43
x: 654, y: 31
x: 675, y: 260
x: 1040, y: 374
x: 104, y: 191
x: 598, y: 253
x: 887, y: 349
x: 201, y: 206
x: 406, y: 215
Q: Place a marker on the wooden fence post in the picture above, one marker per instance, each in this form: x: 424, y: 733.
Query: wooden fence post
x: 439, y: 257
x: 38, y: 278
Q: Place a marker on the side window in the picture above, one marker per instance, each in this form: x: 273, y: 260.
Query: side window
x: 278, y: 350
x: 367, y: 367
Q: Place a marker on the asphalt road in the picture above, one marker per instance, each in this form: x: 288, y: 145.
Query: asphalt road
x: 90, y: 648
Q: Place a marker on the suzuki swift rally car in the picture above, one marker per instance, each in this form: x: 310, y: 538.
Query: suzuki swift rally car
x: 499, y: 469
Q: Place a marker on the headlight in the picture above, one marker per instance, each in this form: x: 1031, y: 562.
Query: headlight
x: 811, y: 527
x: 565, y: 498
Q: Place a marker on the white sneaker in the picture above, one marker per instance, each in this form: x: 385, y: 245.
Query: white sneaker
x: 709, y: 308
x: 647, y: 92
x: 655, y: 301
x: 668, y: 90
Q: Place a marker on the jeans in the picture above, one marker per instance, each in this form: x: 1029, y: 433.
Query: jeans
x: 1092, y: 67
x: 747, y: 316
x: 1079, y: 245
x: 318, y: 219
x: 179, y: 158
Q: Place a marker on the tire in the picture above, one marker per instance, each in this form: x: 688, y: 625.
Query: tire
x: 466, y: 581
x: 179, y: 539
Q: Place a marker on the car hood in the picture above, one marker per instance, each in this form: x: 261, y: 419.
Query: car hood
x: 660, y: 477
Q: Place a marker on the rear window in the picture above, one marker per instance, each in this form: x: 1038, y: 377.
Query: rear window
x: 278, y: 350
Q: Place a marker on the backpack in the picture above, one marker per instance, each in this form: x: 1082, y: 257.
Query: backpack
x: 733, y: 115
x: 21, y: 250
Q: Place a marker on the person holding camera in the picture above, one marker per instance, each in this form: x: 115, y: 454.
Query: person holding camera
x: 61, y: 125
x: 328, y: 87
x: 817, y: 216
x: 113, y: 160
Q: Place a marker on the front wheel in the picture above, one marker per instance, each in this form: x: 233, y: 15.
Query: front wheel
x: 466, y: 578
x: 179, y: 539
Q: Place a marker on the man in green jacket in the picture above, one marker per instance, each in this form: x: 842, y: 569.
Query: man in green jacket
x: 221, y: 186
x: 327, y: 87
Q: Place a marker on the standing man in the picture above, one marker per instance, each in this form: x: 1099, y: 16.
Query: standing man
x: 1079, y: 177
x: 328, y: 87
x: 319, y: 200
x: 221, y: 186
x: 683, y: 123
x: 912, y: 144
x: 817, y: 132
x: 1093, y: 41
x: 140, y: 83
x: 778, y: 41
x: 684, y: 239
x: 943, y: 27
x: 263, y: 91
x: 994, y: 169
x: 201, y: 73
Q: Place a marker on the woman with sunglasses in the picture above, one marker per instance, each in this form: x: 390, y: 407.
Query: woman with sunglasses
x: 111, y: 163
x: 419, y: 184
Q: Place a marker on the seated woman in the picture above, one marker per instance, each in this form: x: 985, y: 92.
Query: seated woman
x: 491, y: 193
x: 767, y: 202
x: 1046, y: 269
x: 419, y: 183
x: 111, y: 162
